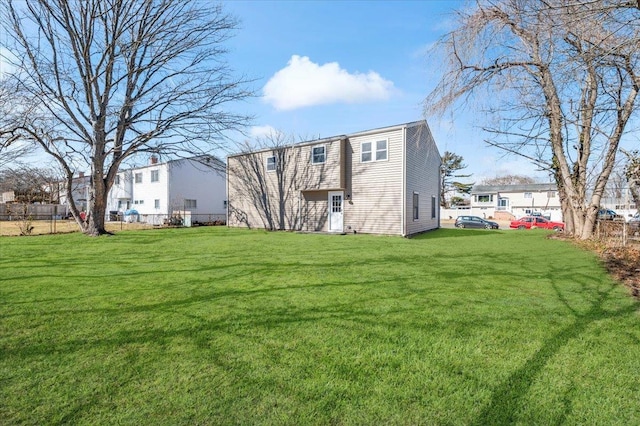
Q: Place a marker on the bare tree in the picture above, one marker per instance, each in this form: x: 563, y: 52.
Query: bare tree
x: 269, y: 194
x: 562, y: 78
x: 12, y: 150
x: 30, y: 184
x: 509, y: 180
x: 632, y: 174
x: 103, y: 81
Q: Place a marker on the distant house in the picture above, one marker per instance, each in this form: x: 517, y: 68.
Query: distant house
x: 509, y: 201
x: 380, y: 181
x: 79, y: 191
x: 194, y: 187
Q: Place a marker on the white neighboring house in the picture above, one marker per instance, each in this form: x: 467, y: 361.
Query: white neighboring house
x: 514, y: 201
x: 79, y: 191
x: 620, y: 201
x: 184, y: 187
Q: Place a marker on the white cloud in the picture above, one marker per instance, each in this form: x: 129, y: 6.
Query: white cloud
x: 304, y: 83
x: 262, y: 131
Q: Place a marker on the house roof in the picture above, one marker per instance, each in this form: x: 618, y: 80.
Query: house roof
x: 530, y: 187
x: 206, y: 159
x: 337, y: 137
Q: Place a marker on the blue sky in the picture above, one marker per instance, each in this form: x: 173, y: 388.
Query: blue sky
x: 327, y: 68
x: 333, y: 67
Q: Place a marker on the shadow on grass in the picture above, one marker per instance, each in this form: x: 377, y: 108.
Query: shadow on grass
x: 455, y: 233
x: 506, y: 401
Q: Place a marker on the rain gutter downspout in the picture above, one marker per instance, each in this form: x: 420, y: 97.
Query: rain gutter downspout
x: 404, y: 183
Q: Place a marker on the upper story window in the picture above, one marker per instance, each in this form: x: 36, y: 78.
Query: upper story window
x: 117, y: 182
x: 318, y: 154
x: 551, y: 194
x: 373, y: 151
x: 155, y: 176
x: 528, y: 195
x: 381, y: 150
x: 271, y: 163
x: 138, y: 177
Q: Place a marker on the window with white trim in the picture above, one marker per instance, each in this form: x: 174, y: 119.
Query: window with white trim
x: 155, y: 176
x: 190, y: 204
x: 484, y: 198
x: 528, y: 195
x: 416, y: 203
x: 318, y: 154
x: 117, y: 182
x: 271, y: 163
x: 433, y: 207
x: 381, y: 150
x: 156, y: 204
x: 373, y: 151
x: 365, y: 152
x: 138, y: 177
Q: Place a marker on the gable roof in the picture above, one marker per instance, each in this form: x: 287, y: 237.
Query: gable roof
x: 530, y: 187
x: 334, y: 138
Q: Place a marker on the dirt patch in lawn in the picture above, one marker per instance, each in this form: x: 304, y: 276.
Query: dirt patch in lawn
x: 624, y: 264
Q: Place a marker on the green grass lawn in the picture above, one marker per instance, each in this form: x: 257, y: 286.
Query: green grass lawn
x: 224, y: 326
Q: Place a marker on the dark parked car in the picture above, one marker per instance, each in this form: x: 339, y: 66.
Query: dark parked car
x: 475, y: 222
x: 606, y: 214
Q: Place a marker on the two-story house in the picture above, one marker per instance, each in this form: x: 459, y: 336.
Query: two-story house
x: 380, y: 181
x: 514, y: 201
x: 158, y: 190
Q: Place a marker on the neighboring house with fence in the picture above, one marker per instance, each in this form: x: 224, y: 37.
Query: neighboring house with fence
x: 192, y: 188
x: 79, y: 191
x: 514, y: 201
x: 380, y: 181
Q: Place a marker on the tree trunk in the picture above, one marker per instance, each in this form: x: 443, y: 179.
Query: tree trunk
x: 97, y: 203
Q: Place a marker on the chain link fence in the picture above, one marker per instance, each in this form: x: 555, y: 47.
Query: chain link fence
x: 40, y: 224
x: 618, y: 232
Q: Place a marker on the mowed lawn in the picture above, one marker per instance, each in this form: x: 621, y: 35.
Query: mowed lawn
x: 224, y: 326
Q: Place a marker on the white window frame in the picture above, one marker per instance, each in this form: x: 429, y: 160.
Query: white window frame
x: 433, y: 207
x: 385, y: 150
x: 271, y: 165
x: 156, y: 203
x: 374, y: 151
x: 155, y: 175
x: 528, y: 195
x: 324, y: 154
x: 137, y: 177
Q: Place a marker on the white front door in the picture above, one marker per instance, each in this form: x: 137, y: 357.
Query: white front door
x: 335, y: 211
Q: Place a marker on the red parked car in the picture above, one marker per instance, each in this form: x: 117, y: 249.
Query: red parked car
x: 529, y: 222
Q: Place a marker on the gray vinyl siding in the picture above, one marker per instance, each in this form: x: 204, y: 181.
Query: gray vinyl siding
x: 319, y: 176
x: 375, y: 187
x: 378, y: 195
x: 259, y: 198
x: 423, y: 177
x: 315, y: 211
